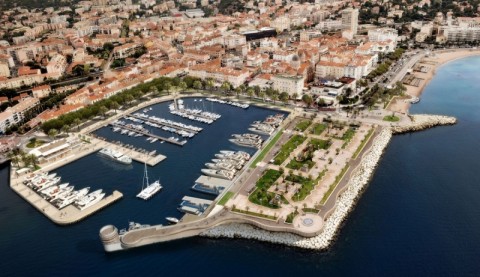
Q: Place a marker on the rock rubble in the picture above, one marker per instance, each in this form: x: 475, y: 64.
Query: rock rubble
x: 422, y: 122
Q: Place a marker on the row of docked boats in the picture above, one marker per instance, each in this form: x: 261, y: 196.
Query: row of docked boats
x: 61, y: 195
x: 191, y: 117
x: 247, y: 140
x: 226, y: 164
x: 261, y: 128
x: 163, y: 121
x: 231, y: 103
x: 127, y: 132
x: 115, y: 156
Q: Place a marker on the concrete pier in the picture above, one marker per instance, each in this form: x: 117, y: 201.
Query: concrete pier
x: 140, y: 157
x: 179, y: 143
x: 65, y: 216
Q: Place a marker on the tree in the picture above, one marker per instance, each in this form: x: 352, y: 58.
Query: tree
x: 182, y: 85
x: 197, y: 85
x: 52, y: 133
x: 65, y: 129
x: 307, y: 99
x: 209, y: 84
x: 284, y: 97
x: 76, y: 122
x: 274, y: 96
x: 103, y: 110
x: 129, y: 98
x: 295, y: 96
x: 226, y: 86
x: 250, y: 92
x: 167, y: 87
x: 114, y: 105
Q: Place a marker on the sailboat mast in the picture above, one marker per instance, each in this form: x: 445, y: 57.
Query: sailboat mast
x: 145, y: 177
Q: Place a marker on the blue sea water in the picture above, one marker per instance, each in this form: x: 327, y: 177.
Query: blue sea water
x: 420, y: 215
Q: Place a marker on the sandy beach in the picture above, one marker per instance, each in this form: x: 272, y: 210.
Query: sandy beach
x: 429, y: 66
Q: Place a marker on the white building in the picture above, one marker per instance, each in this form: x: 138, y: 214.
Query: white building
x: 233, y: 41
x: 382, y: 34
x: 288, y: 84
x: 57, y: 64
x: 350, y: 20
x: 16, y: 114
x: 281, y: 23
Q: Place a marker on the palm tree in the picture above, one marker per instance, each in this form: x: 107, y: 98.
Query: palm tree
x: 115, y: 105
x: 103, y: 110
x: 238, y: 90
x: 274, y: 96
x: 167, y: 87
x: 65, y: 128
x: 284, y: 97
x: 295, y: 96
x: 226, y: 86
x: 242, y: 88
x: 183, y: 86
x: 33, y: 160
x: 77, y: 121
x: 307, y: 99
x: 250, y: 92
x: 197, y: 85
x: 129, y: 98
x: 209, y: 84
x: 52, y: 133
x: 261, y: 94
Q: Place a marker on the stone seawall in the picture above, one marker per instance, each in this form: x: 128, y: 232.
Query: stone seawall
x: 423, y: 121
x: 345, y: 203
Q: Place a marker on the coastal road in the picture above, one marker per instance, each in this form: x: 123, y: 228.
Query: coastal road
x: 406, y: 66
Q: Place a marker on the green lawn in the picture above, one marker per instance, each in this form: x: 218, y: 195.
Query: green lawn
x: 290, y: 217
x: 347, y: 136
x: 307, y: 185
x: 303, y: 125
x: 391, y: 118
x: 35, y: 143
x: 320, y: 143
x: 313, y: 145
x: 225, y: 198
x: 334, y: 185
x: 294, y: 164
x: 261, y: 196
x: 287, y: 148
x: 310, y: 210
x: 265, y: 150
x: 318, y: 128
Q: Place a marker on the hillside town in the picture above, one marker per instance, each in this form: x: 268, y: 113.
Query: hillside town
x: 318, y: 52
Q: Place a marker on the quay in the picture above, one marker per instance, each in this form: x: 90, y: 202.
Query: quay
x: 179, y: 143
x: 164, y: 124
x: 65, y: 216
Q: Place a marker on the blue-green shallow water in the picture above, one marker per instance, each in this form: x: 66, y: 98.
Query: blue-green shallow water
x: 420, y: 214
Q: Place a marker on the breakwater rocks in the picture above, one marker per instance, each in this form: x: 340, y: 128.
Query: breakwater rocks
x: 345, y: 202
x: 422, y: 122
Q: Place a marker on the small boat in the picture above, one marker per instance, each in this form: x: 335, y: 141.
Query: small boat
x: 172, y: 220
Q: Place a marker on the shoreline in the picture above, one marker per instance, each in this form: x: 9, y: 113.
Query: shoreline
x: 346, y: 200
x: 434, y: 61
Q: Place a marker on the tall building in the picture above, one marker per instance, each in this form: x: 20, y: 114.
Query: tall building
x: 350, y: 20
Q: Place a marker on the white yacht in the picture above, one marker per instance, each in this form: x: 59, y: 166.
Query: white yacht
x: 224, y: 174
x: 148, y: 190
x: 115, y: 155
x: 90, y: 199
x: 172, y: 220
x: 220, y: 165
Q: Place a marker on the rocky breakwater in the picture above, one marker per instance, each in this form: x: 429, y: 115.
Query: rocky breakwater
x: 423, y: 121
x: 345, y: 202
